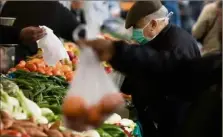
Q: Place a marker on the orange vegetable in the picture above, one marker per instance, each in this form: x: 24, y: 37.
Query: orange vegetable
x: 40, y: 64
x: 74, y: 106
x: 56, y: 72
x: 66, y: 68
x: 110, y: 102
x: 49, y: 73
x: 22, y: 63
x: 69, y: 75
x: 58, y: 65
x: 31, y: 67
x: 94, y: 116
x: 12, y: 70
x: 41, y: 70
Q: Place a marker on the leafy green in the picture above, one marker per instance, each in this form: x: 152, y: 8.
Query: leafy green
x: 107, y: 130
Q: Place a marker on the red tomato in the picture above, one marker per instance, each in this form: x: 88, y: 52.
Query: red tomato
x: 41, y: 70
x: 31, y: 67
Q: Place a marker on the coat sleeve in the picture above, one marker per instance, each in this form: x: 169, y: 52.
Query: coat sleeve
x: 130, y: 59
x: 9, y: 34
x: 68, y: 24
x: 200, y: 27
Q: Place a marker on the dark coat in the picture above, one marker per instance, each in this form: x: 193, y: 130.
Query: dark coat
x: 35, y: 13
x: 153, y: 74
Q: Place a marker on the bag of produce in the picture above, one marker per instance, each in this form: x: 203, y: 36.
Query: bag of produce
x: 53, y: 49
x: 92, y: 96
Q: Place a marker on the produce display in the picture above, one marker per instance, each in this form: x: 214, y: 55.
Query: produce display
x: 46, y: 91
x: 32, y: 94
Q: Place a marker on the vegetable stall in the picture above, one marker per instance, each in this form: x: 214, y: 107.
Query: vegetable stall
x: 31, y: 99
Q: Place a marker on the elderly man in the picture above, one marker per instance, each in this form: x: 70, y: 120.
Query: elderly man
x: 152, y: 68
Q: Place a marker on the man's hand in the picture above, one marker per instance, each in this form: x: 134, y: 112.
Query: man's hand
x: 103, y: 48
x: 31, y: 34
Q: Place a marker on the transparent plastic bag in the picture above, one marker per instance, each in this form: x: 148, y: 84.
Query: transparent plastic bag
x: 94, y: 86
x: 53, y: 49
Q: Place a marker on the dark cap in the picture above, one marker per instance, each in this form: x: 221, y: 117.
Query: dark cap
x: 141, y: 9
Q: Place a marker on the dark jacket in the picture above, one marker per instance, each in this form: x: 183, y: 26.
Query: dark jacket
x: 151, y: 71
x: 204, y: 118
x: 35, y: 13
x: 9, y: 35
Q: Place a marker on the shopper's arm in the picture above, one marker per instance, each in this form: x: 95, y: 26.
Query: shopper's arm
x: 200, y: 27
x: 135, y: 59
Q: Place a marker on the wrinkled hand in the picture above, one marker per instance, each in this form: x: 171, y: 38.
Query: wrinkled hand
x: 103, y: 48
x: 31, y: 34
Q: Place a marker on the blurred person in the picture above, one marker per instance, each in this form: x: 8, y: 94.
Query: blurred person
x: 35, y: 13
x: 9, y: 34
x: 196, y: 7
x: 206, y: 29
x: 185, y: 13
x: 174, y: 7
x: 152, y: 68
x: 78, y: 14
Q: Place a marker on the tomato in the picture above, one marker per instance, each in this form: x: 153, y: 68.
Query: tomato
x: 10, y: 133
x: 66, y: 68
x: 56, y: 72
x: 41, y: 70
x: 49, y: 69
x: 22, y: 63
x: 40, y: 64
x: 31, y: 67
x: 58, y: 65
x: 25, y: 69
x: 69, y: 75
x: 49, y: 73
x: 12, y: 70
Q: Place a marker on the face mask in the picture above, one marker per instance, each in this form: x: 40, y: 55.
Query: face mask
x: 138, y: 34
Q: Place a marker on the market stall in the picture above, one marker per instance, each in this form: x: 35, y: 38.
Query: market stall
x: 32, y: 94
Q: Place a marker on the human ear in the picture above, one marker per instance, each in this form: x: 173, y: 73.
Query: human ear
x: 153, y: 24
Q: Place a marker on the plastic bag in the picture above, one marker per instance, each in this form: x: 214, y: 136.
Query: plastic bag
x: 53, y: 49
x: 95, y: 88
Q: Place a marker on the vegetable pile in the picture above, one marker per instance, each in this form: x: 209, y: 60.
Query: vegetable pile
x: 14, y: 102
x: 29, y: 128
x: 46, y: 91
x: 38, y: 65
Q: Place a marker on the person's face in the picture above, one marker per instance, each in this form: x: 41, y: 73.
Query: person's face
x: 153, y: 27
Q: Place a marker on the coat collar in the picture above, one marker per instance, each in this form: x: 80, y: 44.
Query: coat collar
x: 156, y: 42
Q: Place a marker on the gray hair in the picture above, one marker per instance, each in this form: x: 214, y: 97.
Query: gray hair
x: 161, y: 13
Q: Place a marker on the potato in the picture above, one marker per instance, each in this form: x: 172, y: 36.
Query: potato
x: 25, y: 124
x: 5, y: 115
x: 67, y: 133
x: 7, y: 123
x: 56, y: 125
x: 18, y: 128
x: 54, y: 133
x: 1, y: 125
x: 34, y: 132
